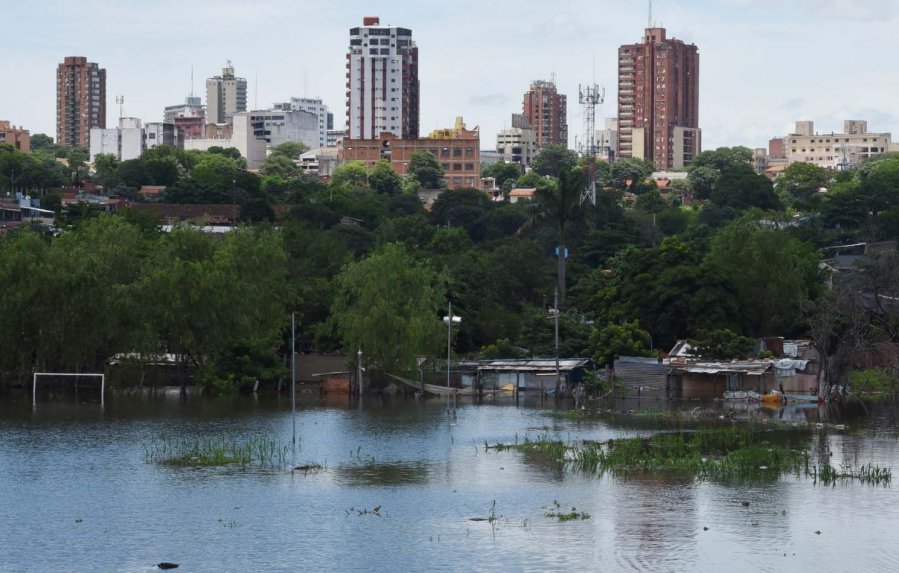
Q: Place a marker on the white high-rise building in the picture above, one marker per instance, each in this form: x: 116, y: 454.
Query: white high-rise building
x: 382, y: 81
x: 130, y: 139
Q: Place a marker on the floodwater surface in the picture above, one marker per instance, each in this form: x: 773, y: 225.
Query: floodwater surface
x: 399, y: 485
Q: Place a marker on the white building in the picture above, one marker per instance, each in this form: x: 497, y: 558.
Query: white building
x: 225, y: 95
x: 517, y: 144
x: 279, y: 126
x: 607, y: 140
x: 382, y: 81
x: 129, y: 140
x: 839, y: 151
x: 242, y: 138
x: 335, y: 136
x: 314, y: 106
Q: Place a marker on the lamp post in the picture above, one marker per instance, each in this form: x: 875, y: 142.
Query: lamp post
x: 359, y: 373
x: 450, y: 320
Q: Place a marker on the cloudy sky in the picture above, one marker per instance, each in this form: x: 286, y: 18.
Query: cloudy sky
x: 764, y: 63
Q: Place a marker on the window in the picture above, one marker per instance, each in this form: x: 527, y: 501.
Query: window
x: 444, y: 152
x: 469, y: 167
x: 457, y: 167
x: 457, y: 152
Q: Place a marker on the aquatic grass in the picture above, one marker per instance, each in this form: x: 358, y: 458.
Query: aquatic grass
x: 556, y: 512
x: 867, y: 474
x: 728, y: 454
x: 210, y: 451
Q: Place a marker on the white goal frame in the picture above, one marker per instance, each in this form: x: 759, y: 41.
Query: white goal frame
x: 36, y: 374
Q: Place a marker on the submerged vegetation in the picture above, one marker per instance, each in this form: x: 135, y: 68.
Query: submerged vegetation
x: 256, y: 451
x: 721, y: 454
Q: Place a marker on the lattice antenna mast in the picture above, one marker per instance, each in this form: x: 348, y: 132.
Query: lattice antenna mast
x: 589, y: 97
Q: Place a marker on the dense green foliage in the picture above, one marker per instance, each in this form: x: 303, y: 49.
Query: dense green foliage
x: 718, y: 259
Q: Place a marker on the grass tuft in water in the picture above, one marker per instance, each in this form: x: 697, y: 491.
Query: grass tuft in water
x: 210, y: 451
x: 867, y: 474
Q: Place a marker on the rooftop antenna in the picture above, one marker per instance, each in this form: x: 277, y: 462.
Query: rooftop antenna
x: 305, y: 83
x: 256, y: 92
x: 121, y: 101
x: 191, y: 80
x: 649, y: 21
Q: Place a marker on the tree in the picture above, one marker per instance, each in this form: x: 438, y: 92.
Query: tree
x: 279, y: 165
x: 772, y: 275
x: 745, y: 189
x: 350, y: 174
x: 501, y: 172
x: 722, y: 344
x: 42, y: 142
x: 105, y: 166
x: 615, y: 340
x: 801, y: 182
x: 702, y: 180
x: 553, y: 159
x: 460, y: 208
x: 724, y: 159
x: 389, y: 306
x: 216, y: 170
x: 561, y: 206
x: 77, y: 158
x: 627, y: 172
x: 426, y: 170
x: 879, y: 184
x: 290, y: 149
x: 383, y: 179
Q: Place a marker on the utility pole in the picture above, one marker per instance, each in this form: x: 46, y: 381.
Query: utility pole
x: 359, y: 373
x: 293, y: 372
x: 556, y: 317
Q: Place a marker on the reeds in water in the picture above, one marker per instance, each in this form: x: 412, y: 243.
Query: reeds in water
x: 254, y: 451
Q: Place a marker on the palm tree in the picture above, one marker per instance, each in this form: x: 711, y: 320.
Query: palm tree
x: 560, y: 205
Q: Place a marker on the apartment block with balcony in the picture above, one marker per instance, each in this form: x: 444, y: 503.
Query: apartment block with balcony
x: 80, y: 100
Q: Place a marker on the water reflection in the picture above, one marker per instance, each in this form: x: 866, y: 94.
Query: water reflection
x: 76, y: 484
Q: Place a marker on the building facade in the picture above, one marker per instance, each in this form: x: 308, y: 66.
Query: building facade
x: 607, y: 140
x: 188, y: 118
x: 457, y: 149
x: 240, y: 136
x: 658, y: 100
x: 517, y: 145
x: 18, y: 137
x: 226, y: 95
x: 382, y: 82
x: 546, y: 112
x: 80, y: 100
x: 837, y: 151
x: 325, y: 119
x: 130, y: 139
x: 279, y: 126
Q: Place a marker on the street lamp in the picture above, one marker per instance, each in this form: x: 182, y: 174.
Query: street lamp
x: 450, y: 320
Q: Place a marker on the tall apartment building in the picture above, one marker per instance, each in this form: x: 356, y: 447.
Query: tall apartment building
x: 80, y: 100
x: 225, y: 95
x: 324, y: 119
x: 546, y: 111
x: 658, y: 100
x: 382, y: 86
x: 18, y: 137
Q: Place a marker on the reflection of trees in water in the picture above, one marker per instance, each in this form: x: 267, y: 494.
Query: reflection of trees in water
x: 391, y: 473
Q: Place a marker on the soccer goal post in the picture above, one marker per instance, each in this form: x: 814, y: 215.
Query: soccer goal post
x: 70, y: 374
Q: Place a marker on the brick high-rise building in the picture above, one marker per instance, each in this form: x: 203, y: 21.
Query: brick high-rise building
x: 546, y: 111
x: 80, y: 100
x: 382, y: 91
x: 658, y: 100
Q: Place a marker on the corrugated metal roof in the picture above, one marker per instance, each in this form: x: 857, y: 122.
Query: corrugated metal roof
x: 543, y: 365
x: 751, y: 368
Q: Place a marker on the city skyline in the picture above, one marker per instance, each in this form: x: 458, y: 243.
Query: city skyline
x: 765, y: 64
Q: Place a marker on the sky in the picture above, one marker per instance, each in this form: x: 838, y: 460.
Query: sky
x: 763, y: 63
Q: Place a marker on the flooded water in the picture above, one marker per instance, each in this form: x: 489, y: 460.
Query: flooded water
x: 400, y: 483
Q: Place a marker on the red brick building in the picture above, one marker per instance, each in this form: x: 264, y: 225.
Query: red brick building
x: 658, y: 100
x: 547, y: 113
x: 458, y: 150
x: 80, y: 100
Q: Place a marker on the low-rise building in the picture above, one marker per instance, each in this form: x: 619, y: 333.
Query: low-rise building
x: 518, y: 144
x: 130, y: 139
x: 837, y: 151
x: 457, y: 149
x: 279, y: 126
x: 242, y: 138
x: 315, y: 106
x: 18, y: 137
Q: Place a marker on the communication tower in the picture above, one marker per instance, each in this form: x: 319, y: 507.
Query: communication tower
x: 589, y: 97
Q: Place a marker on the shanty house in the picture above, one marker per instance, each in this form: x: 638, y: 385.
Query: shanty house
x: 532, y: 374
